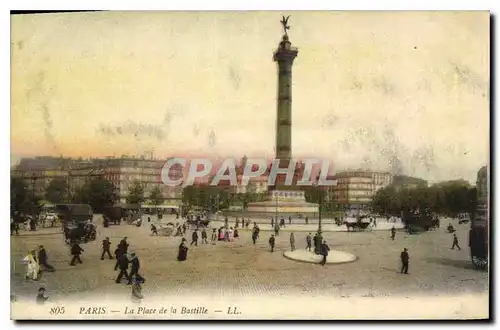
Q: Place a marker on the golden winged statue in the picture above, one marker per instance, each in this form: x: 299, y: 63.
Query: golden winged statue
x: 284, y: 22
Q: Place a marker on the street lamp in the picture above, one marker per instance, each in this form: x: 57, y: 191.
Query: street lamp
x: 68, y: 183
x: 319, y: 239
x: 276, y: 195
x: 33, y: 179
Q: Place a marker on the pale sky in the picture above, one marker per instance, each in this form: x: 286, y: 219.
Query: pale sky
x: 406, y: 92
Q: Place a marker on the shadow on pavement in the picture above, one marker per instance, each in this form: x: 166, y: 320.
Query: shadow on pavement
x: 465, y: 264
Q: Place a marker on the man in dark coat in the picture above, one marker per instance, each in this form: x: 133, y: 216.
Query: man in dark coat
x: 14, y: 227
x: 123, y: 245
x: 255, y: 235
x: 272, y: 242
x: 308, y: 242
x: 307, y: 220
x: 76, y: 250
x: 106, y: 244
x: 324, y: 252
x: 118, y: 254
x: 194, y: 238
x: 204, y: 236
x: 42, y: 259
x: 290, y: 220
x: 183, y: 249
x: 393, y: 233
x: 154, y: 231
x: 134, y: 270
x: 315, y: 241
x: 455, y: 242
x: 405, y: 260
x: 123, y: 264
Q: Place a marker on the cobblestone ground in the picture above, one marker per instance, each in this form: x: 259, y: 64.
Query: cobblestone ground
x: 240, y: 268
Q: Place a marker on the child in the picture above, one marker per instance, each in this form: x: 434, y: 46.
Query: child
x: 40, y: 298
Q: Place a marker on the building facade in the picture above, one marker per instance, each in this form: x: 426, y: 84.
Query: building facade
x: 122, y: 172
x: 355, y: 189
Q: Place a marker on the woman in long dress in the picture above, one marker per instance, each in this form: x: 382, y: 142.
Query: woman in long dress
x: 183, y: 249
x: 231, y: 234
x: 32, y: 267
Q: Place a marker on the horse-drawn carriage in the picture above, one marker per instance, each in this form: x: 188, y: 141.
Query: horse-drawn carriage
x: 77, y: 223
x: 417, y: 222
x: 357, y: 224
x: 114, y: 214
x: 463, y: 218
x: 81, y: 232
x: 197, y: 221
x: 48, y: 219
x: 166, y: 229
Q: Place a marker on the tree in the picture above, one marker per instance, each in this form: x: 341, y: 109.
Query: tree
x: 98, y: 193
x: 213, y: 198
x: 156, y: 197
x: 20, y: 196
x: 56, y: 191
x: 136, y: 193
x: 449, y: 199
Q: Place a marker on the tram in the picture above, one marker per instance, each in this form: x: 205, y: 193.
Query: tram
x: 479, y: 230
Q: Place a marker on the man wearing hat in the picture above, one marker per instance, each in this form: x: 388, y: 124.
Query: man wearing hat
x: 405, y: 260
x: 135, y: 267
x: 106, y: 244
x: 42, y: 259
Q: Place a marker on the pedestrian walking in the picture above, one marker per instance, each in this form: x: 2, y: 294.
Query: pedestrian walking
x: 290, y: 220
x: 14, y: 227
x: 213, y: 239
x: 154, y: 230
x: 272, y: 242
x: 405, y: 260
x: 255, y: 235
x: 124, y: 245
x: 324, y: 252
x: 42, y: 259
x: 204, y: 236
x: 272, y: 222
x: 123, y: 265
x: 76, y: 251
x: 135, y: 266
x: 292, y: 242
x: 307, y: 220
x: 277, y: 230
x: 118, y: 254
x: 455, y: 243
x: 106, y: 244
x: 194, y: 238
x: 393, y: 233
x: 308, y: 242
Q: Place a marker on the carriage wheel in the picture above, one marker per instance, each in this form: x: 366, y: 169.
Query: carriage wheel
x: 480, y: 262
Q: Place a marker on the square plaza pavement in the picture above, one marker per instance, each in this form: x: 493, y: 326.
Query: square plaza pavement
x: 241, y: 269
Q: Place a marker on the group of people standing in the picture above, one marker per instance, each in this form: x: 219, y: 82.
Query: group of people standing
x: 36, y: 261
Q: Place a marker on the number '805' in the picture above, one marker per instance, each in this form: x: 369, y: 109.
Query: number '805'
x: 56, y: 310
